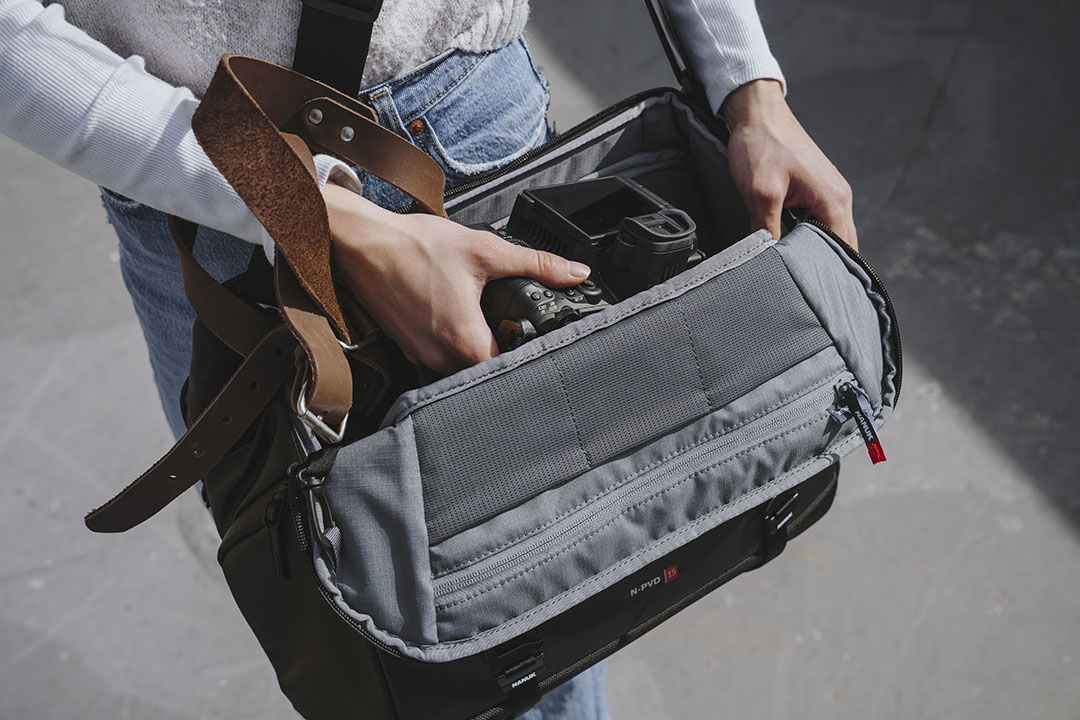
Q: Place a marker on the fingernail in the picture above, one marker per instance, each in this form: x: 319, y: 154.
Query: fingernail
x: 578, y: 271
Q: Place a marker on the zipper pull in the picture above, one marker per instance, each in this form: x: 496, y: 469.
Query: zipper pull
x: 853, y: 400
x: 275, y: 511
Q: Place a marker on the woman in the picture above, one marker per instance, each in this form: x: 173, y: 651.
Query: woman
x: 453, y: 77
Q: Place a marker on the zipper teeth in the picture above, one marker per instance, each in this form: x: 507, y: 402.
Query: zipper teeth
x: 654, y: 477
x: 880, y: 287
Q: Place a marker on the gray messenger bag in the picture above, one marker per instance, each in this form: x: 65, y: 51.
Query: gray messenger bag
x: 417, y: 548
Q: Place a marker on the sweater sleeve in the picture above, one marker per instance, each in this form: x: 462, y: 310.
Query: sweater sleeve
x: 72, y: 100
x: 725, y: 43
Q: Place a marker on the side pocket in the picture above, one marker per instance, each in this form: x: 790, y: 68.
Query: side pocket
x: 324, y: 666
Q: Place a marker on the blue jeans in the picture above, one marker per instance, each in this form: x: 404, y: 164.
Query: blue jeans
x: 472, y: 113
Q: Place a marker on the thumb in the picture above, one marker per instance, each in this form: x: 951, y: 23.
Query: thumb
x: 508, y: 260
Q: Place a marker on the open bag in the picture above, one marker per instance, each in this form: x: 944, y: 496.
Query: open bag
x: 453, y: 549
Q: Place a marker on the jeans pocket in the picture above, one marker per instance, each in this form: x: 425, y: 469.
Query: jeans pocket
x: 491, y: 116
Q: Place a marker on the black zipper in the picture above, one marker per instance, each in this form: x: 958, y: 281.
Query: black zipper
x: 879, y: 286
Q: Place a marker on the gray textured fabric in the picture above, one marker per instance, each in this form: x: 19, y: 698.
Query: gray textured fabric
x: 719, y: 469
x: 375, y: 495
x: 655, y: 421
x: 743, y: 344
x: 493, y: 446
x: 831, y: 282
x: 526, y: 521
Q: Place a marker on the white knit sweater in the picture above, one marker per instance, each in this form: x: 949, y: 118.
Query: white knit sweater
x: 182, y: 40
x: 108, y: 91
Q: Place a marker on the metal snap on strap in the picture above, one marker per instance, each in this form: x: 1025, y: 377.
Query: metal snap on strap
x: 325, y: 433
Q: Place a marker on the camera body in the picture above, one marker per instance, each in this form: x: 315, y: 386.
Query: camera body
x: 631, y: 238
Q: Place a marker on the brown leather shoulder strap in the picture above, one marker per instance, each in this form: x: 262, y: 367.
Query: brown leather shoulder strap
x: 240, y: 123
x: 233, y: 321
x: 208, y: 439
x: 257, y: 122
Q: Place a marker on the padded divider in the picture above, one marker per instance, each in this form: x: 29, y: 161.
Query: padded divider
x: 661, y: 143
x: 509, y: 438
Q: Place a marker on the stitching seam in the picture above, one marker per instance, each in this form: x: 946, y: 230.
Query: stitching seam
x: 697, y: 359
x: 641, y: 471
x: 635, y: 506
x: 573, y: 417
x: 615, y: 317
x: 445, y: 90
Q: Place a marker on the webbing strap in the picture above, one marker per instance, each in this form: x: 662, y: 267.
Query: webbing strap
x: 332, y: 41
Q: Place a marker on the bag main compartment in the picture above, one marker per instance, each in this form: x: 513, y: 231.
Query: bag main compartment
x: 496, y: 498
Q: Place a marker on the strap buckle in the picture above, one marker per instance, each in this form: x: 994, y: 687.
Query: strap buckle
x: 355, y: 10
x: 315, y: 423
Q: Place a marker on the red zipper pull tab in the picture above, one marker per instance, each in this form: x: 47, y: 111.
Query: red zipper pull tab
x: 854, y: 400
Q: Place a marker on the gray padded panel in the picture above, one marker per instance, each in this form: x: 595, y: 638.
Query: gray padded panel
x: 502, y: 442
x: 509, y: 438
x: 743, y: 343
x: 629, y: 385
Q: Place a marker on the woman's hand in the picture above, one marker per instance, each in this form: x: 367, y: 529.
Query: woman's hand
x: 775, y: 164
x: 421, y: 276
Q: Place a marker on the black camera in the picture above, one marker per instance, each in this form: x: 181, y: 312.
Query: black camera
x: 630, y: 237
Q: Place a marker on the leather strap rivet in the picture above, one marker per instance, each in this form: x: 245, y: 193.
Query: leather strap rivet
x: 347, y: 134
x: 197, y: 452
x: 315, y: 116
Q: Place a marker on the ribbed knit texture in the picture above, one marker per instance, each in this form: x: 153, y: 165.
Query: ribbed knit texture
x: 726, y: 44
x: 126, y: 123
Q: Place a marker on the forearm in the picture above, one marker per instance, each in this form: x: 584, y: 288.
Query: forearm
x: 74, y: 101
x: 726, y: 44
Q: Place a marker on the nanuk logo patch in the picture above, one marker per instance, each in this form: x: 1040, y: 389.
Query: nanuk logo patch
x: 670, y: 574
x: 523, y: 680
